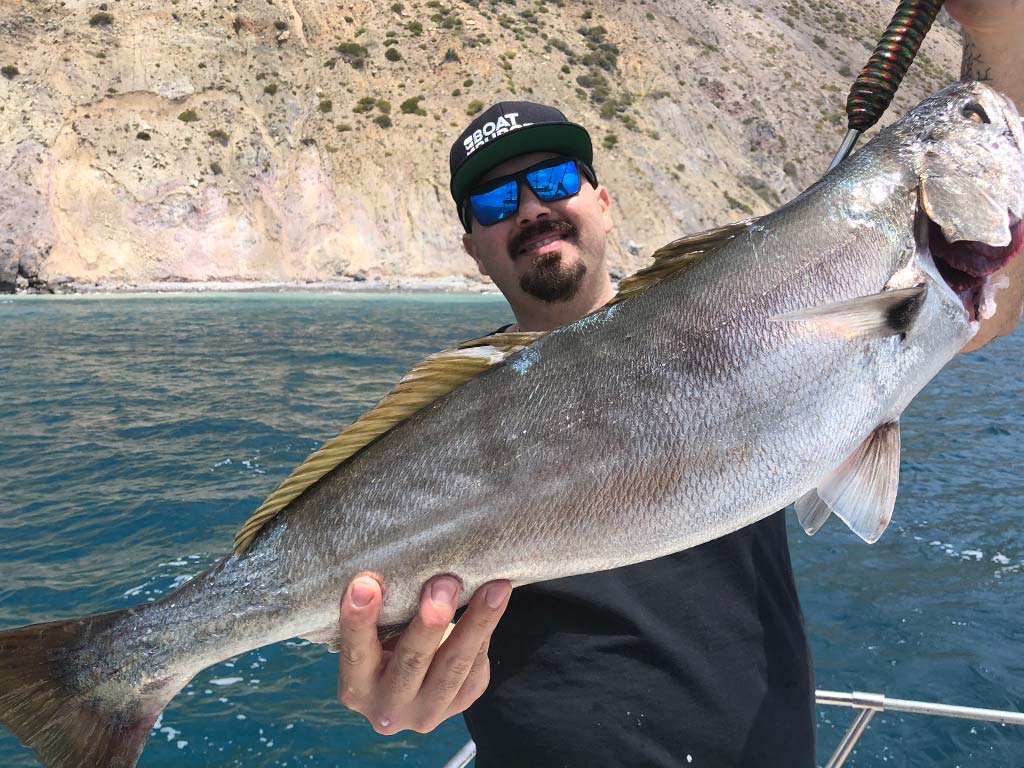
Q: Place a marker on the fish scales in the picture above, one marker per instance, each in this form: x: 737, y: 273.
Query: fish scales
x: 715, y: 397
x: 482, y: 441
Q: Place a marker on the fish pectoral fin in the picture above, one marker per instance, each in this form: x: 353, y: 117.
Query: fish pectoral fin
x: 862, y: 490
x: 811, y: 511
x: 889, y: 313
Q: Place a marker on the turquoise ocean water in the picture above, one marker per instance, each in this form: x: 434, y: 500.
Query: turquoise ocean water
x: 137, y: 433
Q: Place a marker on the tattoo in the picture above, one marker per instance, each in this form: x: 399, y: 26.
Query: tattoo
x: 974, y: 66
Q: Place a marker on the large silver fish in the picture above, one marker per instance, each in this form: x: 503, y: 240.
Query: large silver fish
x: 755, y: 366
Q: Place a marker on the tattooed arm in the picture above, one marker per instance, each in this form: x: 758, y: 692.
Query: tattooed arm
x: 994, y: 53
x: 993, y: 43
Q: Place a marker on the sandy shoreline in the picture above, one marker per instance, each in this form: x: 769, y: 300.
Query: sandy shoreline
x: 453, y: 284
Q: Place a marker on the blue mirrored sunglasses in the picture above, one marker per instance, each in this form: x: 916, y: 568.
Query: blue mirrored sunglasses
x: 550, y: 180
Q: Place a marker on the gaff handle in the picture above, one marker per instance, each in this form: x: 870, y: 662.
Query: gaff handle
x: 875, y: 87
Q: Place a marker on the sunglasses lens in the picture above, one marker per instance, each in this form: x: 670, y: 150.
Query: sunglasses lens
x: 555, y: 182
x: 549, y: 183
x: 495, y: 204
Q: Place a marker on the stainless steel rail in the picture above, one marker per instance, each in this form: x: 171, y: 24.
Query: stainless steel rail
x: 463, y: 757
x: 867, y: 703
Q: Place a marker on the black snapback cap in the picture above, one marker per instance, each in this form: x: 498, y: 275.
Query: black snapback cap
x: 507, y: 130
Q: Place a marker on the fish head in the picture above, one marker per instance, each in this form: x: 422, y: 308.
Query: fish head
x: 966, y: 147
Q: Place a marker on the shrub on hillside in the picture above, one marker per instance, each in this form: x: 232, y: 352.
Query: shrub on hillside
x: 101, y: 19
x: 392, y: 54
x: 9, y: 71
x: 446, y: 17
x: 188, y: 116
x: 384, y: 121
x: 602, y: 54
x: 474, y: 106
x: 600, y: 90
x: 365, y: 104
x: 353, y: 53
x: 412, y: 106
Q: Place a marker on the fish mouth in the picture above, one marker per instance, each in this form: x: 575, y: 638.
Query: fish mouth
x: 967, y: 267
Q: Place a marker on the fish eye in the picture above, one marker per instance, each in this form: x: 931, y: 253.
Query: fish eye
x: 976, y: 113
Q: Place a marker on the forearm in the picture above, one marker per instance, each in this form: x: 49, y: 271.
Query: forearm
x: 995, y: 55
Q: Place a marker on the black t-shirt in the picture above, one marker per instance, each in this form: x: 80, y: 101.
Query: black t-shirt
x: 698, y: 659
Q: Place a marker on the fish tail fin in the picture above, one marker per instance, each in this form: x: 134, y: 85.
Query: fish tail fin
x: 59, y: 696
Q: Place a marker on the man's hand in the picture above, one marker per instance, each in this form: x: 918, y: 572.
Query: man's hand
x: 426, y: 678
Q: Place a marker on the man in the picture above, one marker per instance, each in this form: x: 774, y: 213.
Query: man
x: 697, y: 658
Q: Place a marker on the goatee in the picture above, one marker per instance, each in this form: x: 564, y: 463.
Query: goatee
x: 552, y: 281
x: 548, y: 278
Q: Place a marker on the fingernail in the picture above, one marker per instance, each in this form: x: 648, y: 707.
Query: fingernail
x: 362, y: 593
x: 442, y: 591
x: 385, y: 723
x: 496, y: 594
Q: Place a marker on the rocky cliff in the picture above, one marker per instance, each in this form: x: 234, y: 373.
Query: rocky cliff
x: 192, y: 140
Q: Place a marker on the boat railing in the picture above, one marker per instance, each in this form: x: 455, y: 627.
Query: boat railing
x: 867, y: 704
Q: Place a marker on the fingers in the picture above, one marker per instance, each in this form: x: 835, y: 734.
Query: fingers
x: 417, y: 684
x: 460, y: 671
x: 360, y: 657
x: 475, y: 684
x: 415, y: 650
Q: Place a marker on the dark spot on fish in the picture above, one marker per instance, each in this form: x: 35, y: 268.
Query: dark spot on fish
x: 901, y: 316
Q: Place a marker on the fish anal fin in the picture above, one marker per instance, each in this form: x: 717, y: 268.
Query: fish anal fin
x: 676, y: 257
x: 811, y: 511
x: 889, y: 313
x: 433, y: 378
x: 862, y: 490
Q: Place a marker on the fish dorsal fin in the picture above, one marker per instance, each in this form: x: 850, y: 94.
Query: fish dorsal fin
x: 676, y: 257
x: 862, y: 490
x: 889, y: 313
x: 431, y: 379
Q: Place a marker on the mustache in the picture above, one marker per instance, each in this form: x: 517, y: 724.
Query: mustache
x: 539, y: 229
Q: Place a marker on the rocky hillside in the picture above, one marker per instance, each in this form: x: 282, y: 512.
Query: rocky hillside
x: 189, y: 140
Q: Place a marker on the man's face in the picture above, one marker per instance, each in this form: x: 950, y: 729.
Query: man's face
x: 546, y: 251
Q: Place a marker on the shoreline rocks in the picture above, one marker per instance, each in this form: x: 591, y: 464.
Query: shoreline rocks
x: 360, y: 284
